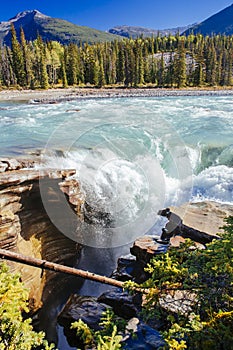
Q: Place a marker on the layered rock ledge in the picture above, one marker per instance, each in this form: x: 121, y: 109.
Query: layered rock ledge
x: 26, y: 228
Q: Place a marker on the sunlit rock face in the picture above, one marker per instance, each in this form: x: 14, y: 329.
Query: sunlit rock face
x: 26, y: 228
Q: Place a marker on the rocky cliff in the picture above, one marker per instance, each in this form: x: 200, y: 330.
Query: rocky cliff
x: 25, y: 226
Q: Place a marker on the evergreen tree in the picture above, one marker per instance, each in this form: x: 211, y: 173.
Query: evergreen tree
x: 145, y: 57
x: 63, y: 75
x: 6, y: 68
x: 120, y: 73
x: 211, y: 63
x: 161, y: 71
x: 229, y: 80
x: 101, y: 75
x: 169, y: 78
x: 199, y: 73
x: 112, y: 66
x: 140, y: 62
x: 17, y: 59
x: 129, y: 64
x: 26, y: 58
x: 180, y: 75
x: 72, y: 64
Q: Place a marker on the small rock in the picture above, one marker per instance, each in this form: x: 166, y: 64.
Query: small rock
x: 144, y: 337
x: 3, y: 167
x: 82, y: 307
x: 123, y: 304
x: 176, y: 241
x: 12, y: 164
x: 146, y: 247
x: 128, y: 268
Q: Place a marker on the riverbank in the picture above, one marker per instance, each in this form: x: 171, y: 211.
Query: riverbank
x: 59, y: 94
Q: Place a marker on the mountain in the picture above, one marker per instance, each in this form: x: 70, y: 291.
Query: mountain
x: 34, y: 22
x: 220, y: 23
x: 135, y: 32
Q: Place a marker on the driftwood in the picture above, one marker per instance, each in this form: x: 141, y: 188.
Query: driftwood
x: 48, y: 265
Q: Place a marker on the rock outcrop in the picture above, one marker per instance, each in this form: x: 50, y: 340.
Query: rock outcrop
x: 204, y: 216
x: 90, y: 310
x: 25, y: 226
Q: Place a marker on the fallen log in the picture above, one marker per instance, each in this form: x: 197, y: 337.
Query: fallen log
x: 48, y: 265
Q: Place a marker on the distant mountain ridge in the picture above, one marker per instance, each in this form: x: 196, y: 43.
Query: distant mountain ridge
x: 219, y: 23
x: 135, y: 32
x: 49, y: 28
x: 34, y: 22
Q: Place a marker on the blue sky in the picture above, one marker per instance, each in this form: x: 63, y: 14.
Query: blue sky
x: 104, y: 14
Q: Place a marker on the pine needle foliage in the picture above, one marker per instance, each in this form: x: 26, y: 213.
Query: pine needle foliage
x: 16, y: 332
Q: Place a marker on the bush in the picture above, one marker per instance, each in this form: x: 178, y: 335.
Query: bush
x: 16, y: 332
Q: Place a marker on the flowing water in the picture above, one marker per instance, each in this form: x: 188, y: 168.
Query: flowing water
x: 124, y: 147
x: 133, y: 156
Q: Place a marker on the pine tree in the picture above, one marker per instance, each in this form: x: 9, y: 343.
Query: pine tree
x: 26, y: 58
x: 180, y: 75
x: 120, y: 73
x: 141, y: 70
x: 112, y: 66
x: 229, y: 67
x: 161, y: 71
x: 129, y: 63
x: 72, y: 64
x: 17, y: 59
x: 211, y: 63
x: 63, y: 75
x: 169, y: 78
x: 101, y: 75
x: 199, y: 73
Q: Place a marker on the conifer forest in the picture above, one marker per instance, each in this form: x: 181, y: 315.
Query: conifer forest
x: 161, y: 61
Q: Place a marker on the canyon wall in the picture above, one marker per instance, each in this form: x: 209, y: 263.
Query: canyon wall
x: 26, y: 228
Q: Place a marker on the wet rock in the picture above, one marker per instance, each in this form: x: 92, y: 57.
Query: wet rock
x: 146, y: 247
x: 80, y: 307
x: 128, y: 268
x: 144, y: 337
x: 3, y: 166
x: 11, y: 164
x: 122, y: 303
x: 71, y: 188
x: 196, y: 235
x: 73, y: 110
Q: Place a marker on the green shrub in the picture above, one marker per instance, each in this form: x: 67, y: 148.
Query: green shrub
x: 105, y: 339
x: 16, y: 333
x: 191, y: 293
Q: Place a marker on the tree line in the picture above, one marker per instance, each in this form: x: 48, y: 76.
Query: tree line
x: 168, y: 61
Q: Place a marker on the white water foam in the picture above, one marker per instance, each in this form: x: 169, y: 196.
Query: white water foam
x: 214, y: 183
